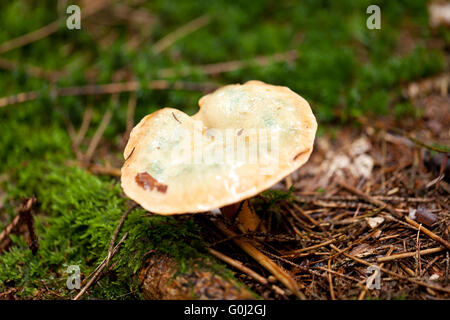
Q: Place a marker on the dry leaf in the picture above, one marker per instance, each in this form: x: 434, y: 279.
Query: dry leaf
x: 248, y: 219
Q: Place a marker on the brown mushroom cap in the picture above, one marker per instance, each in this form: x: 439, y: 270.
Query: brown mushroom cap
x: 175, y: 163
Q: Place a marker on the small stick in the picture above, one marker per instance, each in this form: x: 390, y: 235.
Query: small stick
x: 409, y: 254
x: 5, y: 241
x: 349, y: 247
x: 346, y: 205
x: 24, y: 216
x: 330, y: 281
x: 30, y: 37
x: 110, y: 88
x: 267, y: 263
x: 87, y: 117
x: 369, y: 198
x: 9, y: 228
x: 98, y: 135
x: 238, y: 265
x: 428, y: 232
x: 337, y: 274
x: 418, y: 253
x: 116, y: 231
x: 390, y: 272
x: 72, y: 135
x: 395, y: 213
x: 228, y: 66
x: 311, y: 198
x: 429, y: 265
x: 441, y: 149
x: 369, y: 283
x: 316, y: 246
x: 303, y: 224
x: 99, y: 269
x: 307, y: 216
x: 113, y: 240
x: 110, y: 171
x: 48, y: 29
x: 181, y: 32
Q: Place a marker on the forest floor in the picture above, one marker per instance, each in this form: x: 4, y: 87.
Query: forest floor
x: 367, y: 197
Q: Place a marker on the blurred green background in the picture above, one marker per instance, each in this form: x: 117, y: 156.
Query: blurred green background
x: 343, y: 69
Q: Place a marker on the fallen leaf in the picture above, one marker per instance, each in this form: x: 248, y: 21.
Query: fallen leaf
x: 249, y: 220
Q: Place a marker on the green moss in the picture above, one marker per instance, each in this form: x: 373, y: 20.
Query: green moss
x: 81, y: 213
x: 77, y: 215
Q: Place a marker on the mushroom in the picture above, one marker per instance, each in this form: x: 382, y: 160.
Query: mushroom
x: 244, y: 139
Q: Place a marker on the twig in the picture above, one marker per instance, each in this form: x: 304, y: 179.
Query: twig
x: 429, y: 233
x: 238, y: 265
x: 337, y: 274
x: 30, y: 70
x: 98, y: 135
x: 87, y: 117
x: 409, y: 254
x: 360, y: 240
x: 10, y: 228
x: 181, y: 32
x: 308, y: 217
x: 437, y: 148
x: 369, y: 198
x: 30, y: 37
x: 72, y: 135
x: 429, y: 265
x: 390, y: 272
x: 294, y: 253
x: 99, y: 269
x: 418, y: 253
x: 369, y: 283
x: 228, y: 66
x: 111, y: 248
x: 330, y: 281
x: 312, y: 199
x: 48, y: 29
x: 447, y: 263
x: 116, y: 231
x: 110, y: 88
x: 267, y: 263
x: 23, y: 217
x: 415, y: 226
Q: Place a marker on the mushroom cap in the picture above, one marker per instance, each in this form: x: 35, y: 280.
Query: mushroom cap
x: 244, y: 139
